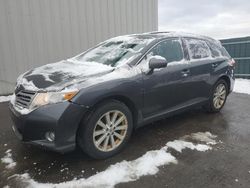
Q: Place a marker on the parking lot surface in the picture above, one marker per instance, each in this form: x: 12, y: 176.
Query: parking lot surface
x: 226, y: 165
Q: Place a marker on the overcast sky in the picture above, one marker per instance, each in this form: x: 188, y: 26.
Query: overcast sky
x: 216, y: 18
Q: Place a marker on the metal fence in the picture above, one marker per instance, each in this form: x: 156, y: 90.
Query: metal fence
x: 239, y: 49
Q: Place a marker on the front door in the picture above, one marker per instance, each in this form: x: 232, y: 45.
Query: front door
x: 165, y: 88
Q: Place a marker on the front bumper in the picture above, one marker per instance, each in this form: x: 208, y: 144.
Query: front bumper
x: 61, y: 118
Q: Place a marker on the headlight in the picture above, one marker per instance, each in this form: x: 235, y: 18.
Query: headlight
x: 51, y: 97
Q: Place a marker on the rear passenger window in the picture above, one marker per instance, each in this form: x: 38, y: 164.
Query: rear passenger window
x: 171, y: 50
x: 198, y: 49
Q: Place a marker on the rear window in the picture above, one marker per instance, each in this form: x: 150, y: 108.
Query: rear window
x: 224, y: 52
x: 217, y: 50
x: 197, y: 48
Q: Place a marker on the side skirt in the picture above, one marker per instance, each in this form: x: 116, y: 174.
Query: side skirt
x: 173, y: 111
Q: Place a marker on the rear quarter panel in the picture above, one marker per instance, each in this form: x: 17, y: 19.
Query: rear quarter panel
x: 222, y: 70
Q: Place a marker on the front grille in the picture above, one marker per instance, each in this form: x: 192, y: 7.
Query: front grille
x: 24, y: 98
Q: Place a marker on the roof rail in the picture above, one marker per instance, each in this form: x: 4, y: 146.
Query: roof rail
x: 158, y: 32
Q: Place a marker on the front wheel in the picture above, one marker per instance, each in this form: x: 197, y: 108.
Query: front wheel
x: 218, y: 97
x: 107, y: 130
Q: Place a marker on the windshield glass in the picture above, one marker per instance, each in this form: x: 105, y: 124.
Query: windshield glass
x: 115, y: 51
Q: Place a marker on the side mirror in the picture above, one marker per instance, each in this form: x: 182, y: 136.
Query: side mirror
x: 157, y: 62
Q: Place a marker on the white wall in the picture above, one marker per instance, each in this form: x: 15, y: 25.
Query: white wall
x: 37, y: 32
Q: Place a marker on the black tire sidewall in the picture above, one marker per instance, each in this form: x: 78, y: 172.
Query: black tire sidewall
x: 85, y: 136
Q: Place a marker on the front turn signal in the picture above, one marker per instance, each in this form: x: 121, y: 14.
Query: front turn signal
x: 69, y: 95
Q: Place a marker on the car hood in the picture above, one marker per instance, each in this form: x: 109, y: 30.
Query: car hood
x: 57, y: 76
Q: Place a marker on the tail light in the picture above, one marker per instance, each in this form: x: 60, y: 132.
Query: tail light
x: 231, y: 62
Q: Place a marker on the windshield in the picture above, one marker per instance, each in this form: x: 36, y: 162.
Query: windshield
x: 115, y: 51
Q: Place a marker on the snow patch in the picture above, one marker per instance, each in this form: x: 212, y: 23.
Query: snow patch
x: 198, y: 48
x: 66, y: 70
x: 179, y: 145
x: 7, y: 159
x: 5, y: 98
x: 183, y: 34
x: 127, y: 171
x: 22, y: 110
x: 206, y: 137
x: 119, y: 73
x: 242, y: 86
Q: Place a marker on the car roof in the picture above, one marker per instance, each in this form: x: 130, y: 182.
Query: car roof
x: 169, y: 34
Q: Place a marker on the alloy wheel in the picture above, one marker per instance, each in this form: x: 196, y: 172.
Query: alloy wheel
x: 219, y: 96
x: 110, y: 130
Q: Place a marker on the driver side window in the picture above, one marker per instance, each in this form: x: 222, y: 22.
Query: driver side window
x: 170, y: 49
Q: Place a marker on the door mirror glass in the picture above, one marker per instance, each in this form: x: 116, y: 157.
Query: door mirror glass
x: 157, y: 62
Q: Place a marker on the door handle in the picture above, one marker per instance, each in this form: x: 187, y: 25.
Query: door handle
x: 185, y: 72
x: 214, y: 65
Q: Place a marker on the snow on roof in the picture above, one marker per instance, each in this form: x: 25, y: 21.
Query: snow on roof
x: 165, y: 34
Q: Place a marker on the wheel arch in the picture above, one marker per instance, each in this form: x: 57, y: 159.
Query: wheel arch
x: 123, y: 99
x: 226, y: 79
x: 83, y: 128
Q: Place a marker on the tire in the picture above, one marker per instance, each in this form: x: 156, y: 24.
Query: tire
x: 94, y: 129
x: 212, y: 106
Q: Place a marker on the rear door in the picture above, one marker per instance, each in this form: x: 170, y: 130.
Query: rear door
x: 220, y: 60
x: 200, y: 65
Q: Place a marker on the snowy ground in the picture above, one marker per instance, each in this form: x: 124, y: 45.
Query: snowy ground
x: 5, y: 98
x: 7, y: 160
x: 127, y: 171
x: 241, y: 86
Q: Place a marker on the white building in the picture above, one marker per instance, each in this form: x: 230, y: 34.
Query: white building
x: 37, y: 32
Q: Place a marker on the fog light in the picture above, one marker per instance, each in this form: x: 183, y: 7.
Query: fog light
x: 50, y: 136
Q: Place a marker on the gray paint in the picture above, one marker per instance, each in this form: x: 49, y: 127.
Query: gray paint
x: 34, y: 33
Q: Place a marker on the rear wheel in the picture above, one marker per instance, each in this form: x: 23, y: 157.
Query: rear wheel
x: 107, y: 130
x: 218, y: 97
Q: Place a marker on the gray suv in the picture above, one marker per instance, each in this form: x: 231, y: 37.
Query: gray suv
x: 96, y: 99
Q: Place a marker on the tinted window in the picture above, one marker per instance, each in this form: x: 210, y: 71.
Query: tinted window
x: 217, y: 50
x: 197, y: 49
x: 169, y: 49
